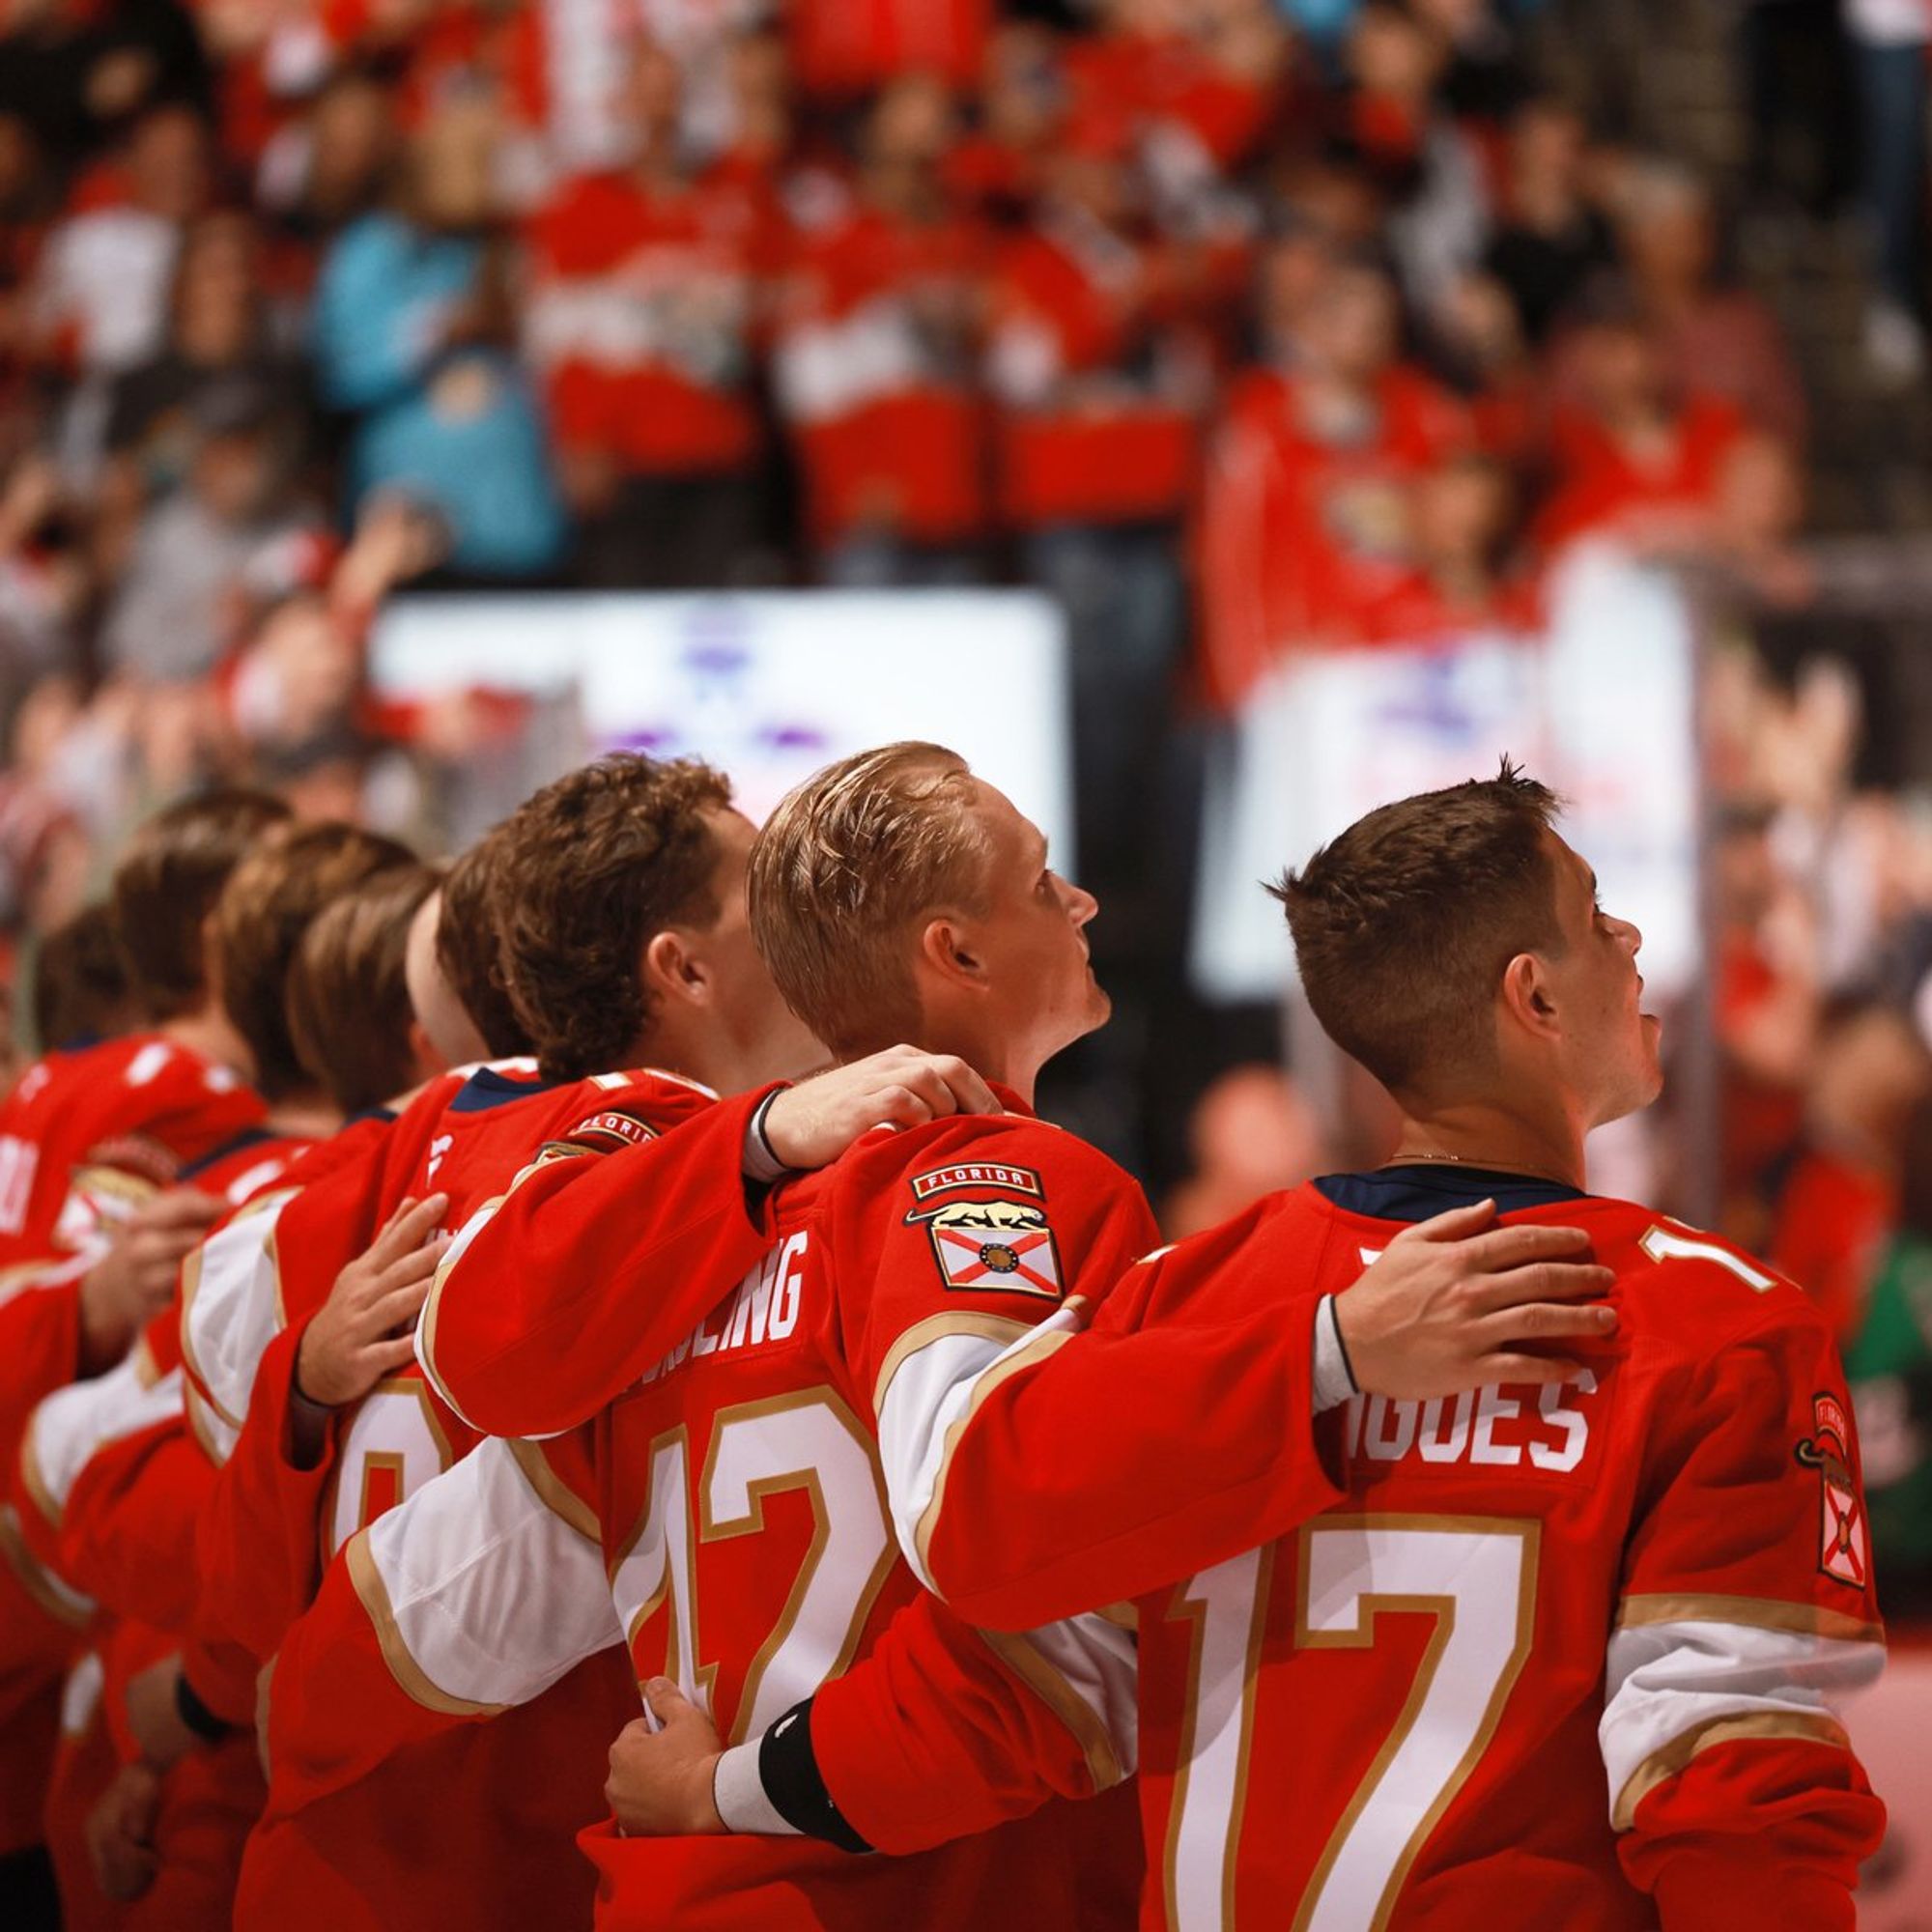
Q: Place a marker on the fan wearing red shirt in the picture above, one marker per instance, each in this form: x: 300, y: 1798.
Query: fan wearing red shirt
x: 1575, y: 1643
x: 1304, y: 520
x: 1833, y: 1192
x: 87, y: 1135
x: 1099, y: 367
x: 643, y: 319
x: 876, y: 357
x: 1632, y: 460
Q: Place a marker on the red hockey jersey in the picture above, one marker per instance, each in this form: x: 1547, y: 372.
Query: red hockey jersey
x: 84, y: 1138
x: 1095, y: 377
x: 737, y: 1495
x: 331, y: 1859
x: 1563, y: 1647
x: 1304, y: 527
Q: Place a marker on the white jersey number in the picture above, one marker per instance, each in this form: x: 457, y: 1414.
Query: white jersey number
x: 393, y: 1447
x: 19, y: 1160
x: 810, y: 1442
x: 1476, y: 1576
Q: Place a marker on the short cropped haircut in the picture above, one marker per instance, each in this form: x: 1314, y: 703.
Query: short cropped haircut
x: 167, y: 883
x: 842, y: 877
x: 276, y: 892
x: 468, y: 947
x: 1403, y: 925
x: 592, y: 869
x: 348, y: 999
x: 81, y: 988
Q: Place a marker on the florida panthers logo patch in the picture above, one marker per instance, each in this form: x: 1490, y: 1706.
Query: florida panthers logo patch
x: 997, y: 1248
x: 1843, y: 1550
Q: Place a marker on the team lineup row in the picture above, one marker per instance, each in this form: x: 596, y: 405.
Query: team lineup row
x: 450, y: 1307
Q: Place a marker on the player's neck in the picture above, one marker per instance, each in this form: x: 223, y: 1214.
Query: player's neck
x: 207, y: 1031
x: 1483, y: 1133
x: 698, y: 1053
x: 1006, y: 1061
x: 307, y: 1115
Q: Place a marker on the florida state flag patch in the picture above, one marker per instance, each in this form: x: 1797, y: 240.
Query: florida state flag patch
x: 994, y: 1247
x: 1843, y: 1549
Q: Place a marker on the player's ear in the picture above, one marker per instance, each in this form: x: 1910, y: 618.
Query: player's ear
x: 1527, y: 997
x: 946, y: 948
x: 674, y: 968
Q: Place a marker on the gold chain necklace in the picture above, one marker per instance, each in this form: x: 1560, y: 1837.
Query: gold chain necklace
x: 1402, y: 1159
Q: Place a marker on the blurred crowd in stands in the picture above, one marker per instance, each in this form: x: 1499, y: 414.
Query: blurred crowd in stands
x: 1241, y: 326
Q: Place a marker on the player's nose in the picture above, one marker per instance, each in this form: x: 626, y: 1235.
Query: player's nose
x: 1081, y: 904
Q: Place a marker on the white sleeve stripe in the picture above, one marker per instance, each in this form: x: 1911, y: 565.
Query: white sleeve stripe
x: 1674, y: 1689
x: 60, y: 1601
x: 74, y: 1424
x: 929, y: 1387
x: 1086, y: 1671
x: 427, y: 1320
x: 482, y: 1596
x: 27, y: 1276
x: 231, y: 1307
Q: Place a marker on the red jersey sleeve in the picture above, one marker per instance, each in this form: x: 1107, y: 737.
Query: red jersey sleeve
x: 556, y: 1298
x: 257, y: 1538
x: 951, y: 1244
x: 127, y: 1536
x: 40, y: 1335
x: 1747, y: 1612
x: 477, y: 1592
x: 944, y: 1731
x: 1151, y: 1445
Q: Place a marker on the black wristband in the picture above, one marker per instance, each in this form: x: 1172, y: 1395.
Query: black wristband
x: 196, y: 1715
x: 1335, y: 1322
x: 789, y: 1769
x: 765, y: 1139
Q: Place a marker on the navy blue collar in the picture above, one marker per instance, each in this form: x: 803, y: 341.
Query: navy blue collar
x: 249, y: 1137
x: 486, y: 1088
x: 1415, y: 1190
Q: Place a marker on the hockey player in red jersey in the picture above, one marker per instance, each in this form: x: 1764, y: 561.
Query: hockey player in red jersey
x: 1568, y: 1650
x: 87, y: 1135
x: 620, y: 909
x: 846, y: 883
x: 109, y: 1483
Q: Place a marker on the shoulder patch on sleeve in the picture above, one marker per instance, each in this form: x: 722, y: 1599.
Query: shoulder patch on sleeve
x: 613, y: 1126
x: 977, y: 1173
x: 1843, y: 1554
x: 1000, y: 1246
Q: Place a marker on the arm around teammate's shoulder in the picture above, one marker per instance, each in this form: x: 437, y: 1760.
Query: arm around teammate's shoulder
x: 1184, y: 1426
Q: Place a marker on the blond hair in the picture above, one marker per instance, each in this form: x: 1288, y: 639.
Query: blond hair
x: 843, y: 874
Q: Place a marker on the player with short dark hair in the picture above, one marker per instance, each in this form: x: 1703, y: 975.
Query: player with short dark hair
x: 469, y: 949
x: 82, y: 991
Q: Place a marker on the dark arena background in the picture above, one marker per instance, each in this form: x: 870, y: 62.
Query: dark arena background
x: 1212, y: 419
